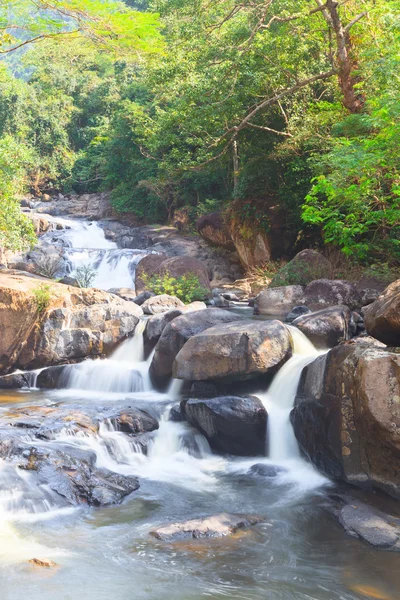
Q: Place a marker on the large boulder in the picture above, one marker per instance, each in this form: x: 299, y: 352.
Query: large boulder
x: 327, y: 327
x: 87, y: 206
x: 156, y: 324
x: 177, y: 266
x: 160, y: 304
x: 231, y: 424
x: 217, y: 526
x: 323, y: 293
x: 147, y: 267
x: 212, y: 228
x: 125, y: 293
x: 347, y: 415
x: 278, y: 301
x: 305, y: 267
x: 177, y: 333
x: 234, y: 351
x: 382, y: 317
x: 44, y: 323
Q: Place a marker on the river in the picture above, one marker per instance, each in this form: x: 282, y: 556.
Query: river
x: 299, y: 552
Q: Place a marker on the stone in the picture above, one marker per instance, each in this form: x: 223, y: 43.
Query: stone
x: 147, y: 267
x: 327, y: 327
x: 142, y: 297
x: 297, y: 311
x: 54, y: 378
x: 177, y: 266
x: 14, y: 381
x: 278, y: 301
x: 86, y: 206
x: 382, y: 317
x: 231, y: 424
x: 175, y: 414
x: 234, y: 352
x: 307, y: 266
x: 156, y: 324
x: 133, y: 421
x: 212, y: 228
x: 125, y: 293
x: 323, y: 293
x: 43, y: 562
x: 220, y: 525
x: 347, y: 415
x: 264, y: 470
x: 203, y: 389
x: 178, y: 331
x: 69, y: 281
x: 371, y: 525
x: 161, y: 304
x: 68, y: 326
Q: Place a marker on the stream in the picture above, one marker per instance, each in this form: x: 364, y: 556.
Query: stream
x: 299, y: 552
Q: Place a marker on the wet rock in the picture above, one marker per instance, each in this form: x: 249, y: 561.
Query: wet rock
x: 264, y: 470
x: 87, y: 206
x: 371, y: 525
x: 234, y: 352
x: 324, y: 293
x: 212, y: 228
x: 327, y: 327
x: 157, y: 323
x: 176, y: 334
x: 347, y: 415
x: 54, y: 378
x: 382, y: 317
x: 278, y: 301
x: 176, y: 415
x: 308, y: 265
x: 134, y: 421
x: 44, y: 323
x: 297, y: 311
x: 231, y: 424
x: 14, y: 381
x: 142, y: 297
x: 203, y: 389
x: 208, y: 527
x: 43, y: 562
x: 161, y: 304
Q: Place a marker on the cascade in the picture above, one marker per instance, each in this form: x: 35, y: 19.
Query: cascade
x: 279, y: 398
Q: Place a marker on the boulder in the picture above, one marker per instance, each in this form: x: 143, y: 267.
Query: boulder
x: 208, y: 527
x: 125, y: 293
x: 371, y: 525
x: 142, y: 297
x: 265, y: 470
x: 44, y: 323
x: 203, y: 389
x: 67, y: 280
x: 278, y: 301
x: 323, y: 293
x: 305, y: 267
x: 327, y: 327
x: 161, y: 304
x: 54, y: 378
x: 297, y: 311
x: 87, y: 206
x: 177, y: 333
x: 134, y: 421
x: 234, y: 352
x: 212, y: 228
x: 347, y: 415
x: 14, y: 381
x: 156, y: 324
x: 177, y: 266
x: 147, y: 266
x: 231, y: 424
x: 382, y: 317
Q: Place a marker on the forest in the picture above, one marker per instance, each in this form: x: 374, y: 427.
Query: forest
x: 208, y: 106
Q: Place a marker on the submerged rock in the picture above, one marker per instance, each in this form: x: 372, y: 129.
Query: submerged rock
x: 264, y: 470
x: 371, y: 525
x: 234, y: 351
x: 43, y: 562
x: 208, y: 527
x: 231, y: 424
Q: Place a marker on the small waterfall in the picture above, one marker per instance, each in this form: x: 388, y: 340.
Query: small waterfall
x: 279, y: 398
x: 125, y: 371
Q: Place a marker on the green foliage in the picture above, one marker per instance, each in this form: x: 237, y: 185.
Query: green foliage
x: 298, y: 273
x: 85, y: 276
x: 42, y: 297
x: 187, y: 287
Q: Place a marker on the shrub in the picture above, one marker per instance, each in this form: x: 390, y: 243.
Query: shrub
x: 85, y: 276
x: 42, y: 297
x: 49, y: 265
x: 186, y: 287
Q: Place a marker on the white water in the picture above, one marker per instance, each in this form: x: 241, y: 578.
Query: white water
x: 279, y: 398
x: 85, y: 245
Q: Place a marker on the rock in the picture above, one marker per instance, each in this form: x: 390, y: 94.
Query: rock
x: 161, y: 304
x: 278, y: 301
x: 125, y: 293
x: 54, y: 378
x: 327, y: 327
x: 347, y: 415
x: 157, y: 323
x: 371, y: 525
x: 212, y: 228
x: 368, y: 296
x: 297, y: 311
x: 264, y: 470
x: 14, y: 381
x: 44, y: 323
x: 323, y: 293
x: 176, y: 334
x: 254, y: 250
x: 208, y: 527
x: 382, y: 317
x: 308, y: 265
x: 177, y: 266
x: 231, y: 424
x: 234, y: 351
x: 86, y: 206
x: 69, y: 281
x: 175, y: 414
x: 203, y: 389
x: 148, y: 266
x: 43, y: 562
x: 134, y: 421
x: 142, y: 297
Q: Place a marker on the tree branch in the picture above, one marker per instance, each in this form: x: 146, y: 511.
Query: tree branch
x: 37, y: 39
x: 263, y: 128
x: 355, y: 20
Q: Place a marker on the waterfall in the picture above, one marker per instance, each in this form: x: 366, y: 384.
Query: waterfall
x: 125, y: 371
x: 279, y: 398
